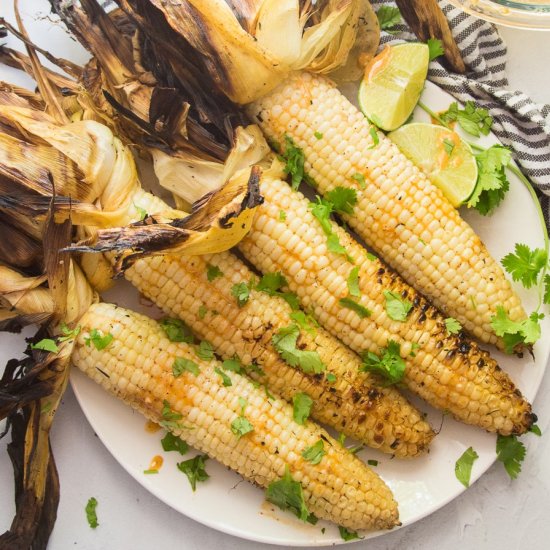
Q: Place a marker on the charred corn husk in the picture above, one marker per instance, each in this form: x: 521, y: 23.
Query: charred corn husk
x: 399, y: 213
x: 340, y: 488
x: 449, y: 371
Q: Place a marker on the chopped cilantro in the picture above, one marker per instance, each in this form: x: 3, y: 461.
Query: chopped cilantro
x: 241, y: 426
x: 268, y: 394
x: 171, y: 442
x: 473, y: 120
x: 91, y: 514
x: 304, y: 321
x: 315, y: 453
x: 526, y: 264
x: 346, y: 534
x: 46, y: 344
x: 341, y: 439
x: 374, y: 135
x: 356, y: 449
x: 141, y: 212
x: 463, y: 466
x: 331, y: 377
x: 318, y: 135
x: 397, y: 307
x: 371, y: 257
x: 287, y: 494
x: 294, y: 158
x: 152, y: 471
x: 285, y: 340
x: 360, y: 179
x: 68, y: 334
x: 452, y: 325
x: 241, y: 291
x: 534, y: 429
x: 492, y: 183
x: 513, y: 333
x: 176, y: 330
x: 511, y: 453
x: 343, y: 199
x: 226, y: 381
x: 435, y: 47
x: 353, y: 283
x: 99, y: 340
x: 213, y: 272
x: 282, y: 215
x: 203, y: 310
x: 388, y: 18
x: 390, y: 364
x: 181, y: 365
x: 256, y: 369
x: 233, y: 365
x: 168, y: 414
x: 362, y: 311
x: 205, y: 351
x: 372, y: 462
x: 271, y: 283
x: 301, y: 403
x: 194, y: 470
x: 449, y: 146
x: 322, y: 210
x: 334, y: 245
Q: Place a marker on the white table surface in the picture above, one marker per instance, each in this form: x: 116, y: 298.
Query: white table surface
x: 494, y: 513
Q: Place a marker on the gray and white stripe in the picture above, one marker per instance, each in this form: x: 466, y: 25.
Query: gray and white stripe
x: 519, y: 123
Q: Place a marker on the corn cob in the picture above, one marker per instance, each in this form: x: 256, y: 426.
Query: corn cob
x: 355, y: 404
x: 340, y: 488
x: 448, y: 371
x: 399, y: 213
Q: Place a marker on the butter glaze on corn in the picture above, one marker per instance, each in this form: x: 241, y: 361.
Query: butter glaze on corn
x: 137, y: 367
x: 400, y: 214
x: 448, y: 371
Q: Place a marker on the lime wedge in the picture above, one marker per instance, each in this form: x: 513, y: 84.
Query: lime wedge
x: 442, y: 155
x: 392, y: 85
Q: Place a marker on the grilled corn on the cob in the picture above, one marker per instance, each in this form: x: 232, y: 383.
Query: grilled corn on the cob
x: 340, y: 488
x: 399, y: 213
x: 448, y: 371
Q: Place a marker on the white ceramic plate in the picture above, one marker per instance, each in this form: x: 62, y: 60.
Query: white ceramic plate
x: 226, y: 503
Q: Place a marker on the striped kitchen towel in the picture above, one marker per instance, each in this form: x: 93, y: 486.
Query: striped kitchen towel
x: 519, y: 123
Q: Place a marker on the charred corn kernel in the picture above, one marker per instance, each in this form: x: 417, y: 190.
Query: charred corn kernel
x: 449, y: 371
x: 340, y: 488
x: 355, y: 403
x: 400, y: 213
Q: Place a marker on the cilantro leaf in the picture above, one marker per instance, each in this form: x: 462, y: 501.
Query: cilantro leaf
x: 205, y: 351
x: 226, y: 381
x: 331, y: 377
x: 304, y: 321
x: 233, y: 365
x: 171, y: 442
x: 318, y: 135
x: 203, y: 310
x: 99, y: 340
x: 374, y: 135
x: 360, y: 179
x: 535, y: 430
x: 371, y: 257
x: 294, y: 158
x: 241, y: 291
x: 397, y: 307
x: 271, y: 283
x: 68, y: 334
x: 511, y: 453
x: 141, y: 212
x: 525, y: 265
x: 473, y: 120
x: 176, y: 330
x: 353, y: 283
x: 513, y: 333
x: 388, y: 17
x: 46, y: 344
x: 282, y: 215
x: 463, y: 466
x: 287, y: 494
x: 284, y: 341
x: 322, y: 210
x: 301, y: 403
x: 334, y: 245
x: 346, y: 534
x: 91, y: 514
x: 343, y: 199
x: 213, y: 272
x: 194, y: 470
x: 315, y: 453
x: 362, y: 311
x: 241, y: 426
x: 291, y: 299
x: 390, y: 364
x: 372, y: 462
x: 182, y: 364
x: 452, y: 325
x: 435, y: 47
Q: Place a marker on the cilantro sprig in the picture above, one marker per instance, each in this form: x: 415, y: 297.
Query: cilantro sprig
x: 389, y: 363
x: 472, y: 119
x: 315, y: 453
x: 301, y: 403
x: 285, y: 343
x: 194, y: 469
x: 511, y: 452
x: 435, y: 47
